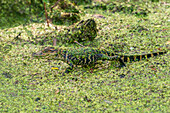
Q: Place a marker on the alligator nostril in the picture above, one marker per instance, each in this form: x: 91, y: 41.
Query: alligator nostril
x: 33, y: 54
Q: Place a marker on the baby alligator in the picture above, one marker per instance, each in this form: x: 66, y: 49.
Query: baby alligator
x: 87, y: 56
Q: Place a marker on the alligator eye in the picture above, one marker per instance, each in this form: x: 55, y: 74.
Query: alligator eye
x: 45, y: 51
x: 41, y: 53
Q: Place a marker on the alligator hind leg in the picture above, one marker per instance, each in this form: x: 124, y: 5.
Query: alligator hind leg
x: 111, y: 58
x: 122, y: 64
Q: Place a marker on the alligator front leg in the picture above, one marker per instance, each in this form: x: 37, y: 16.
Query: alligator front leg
x: 70, y: 68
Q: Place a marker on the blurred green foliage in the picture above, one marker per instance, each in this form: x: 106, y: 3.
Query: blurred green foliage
x: 16, y: 12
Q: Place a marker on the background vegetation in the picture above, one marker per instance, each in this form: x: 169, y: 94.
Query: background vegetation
x: 31, y: 85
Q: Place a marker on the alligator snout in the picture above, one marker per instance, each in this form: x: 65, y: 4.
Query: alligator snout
x: 37, y: 54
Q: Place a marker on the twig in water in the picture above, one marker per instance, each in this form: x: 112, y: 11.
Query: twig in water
x: 46, y: 15
x: 54, y: 5
x: 79, y: 43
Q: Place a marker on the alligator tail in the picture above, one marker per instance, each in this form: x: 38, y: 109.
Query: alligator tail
x: 131, y: 58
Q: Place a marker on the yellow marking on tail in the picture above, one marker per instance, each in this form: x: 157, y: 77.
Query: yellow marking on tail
x: 152, y: 55
x: 146, y: 57
x: 134, y: 58
x: 128, y: 59
x: 140, y: 57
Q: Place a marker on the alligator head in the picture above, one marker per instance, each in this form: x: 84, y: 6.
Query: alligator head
x: 48, y: 53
